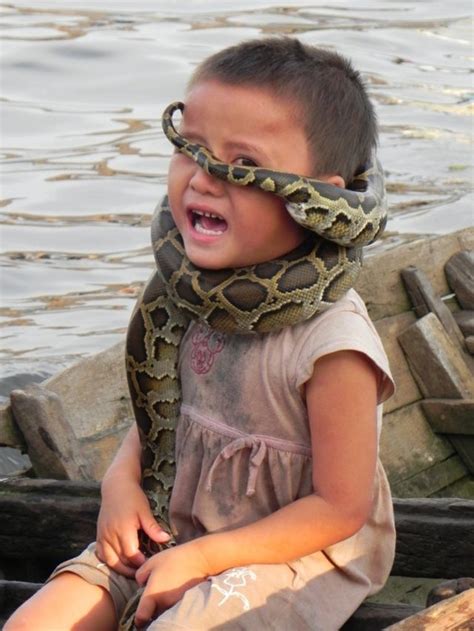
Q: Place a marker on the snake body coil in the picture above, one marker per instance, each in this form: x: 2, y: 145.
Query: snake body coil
x: 256, y: 299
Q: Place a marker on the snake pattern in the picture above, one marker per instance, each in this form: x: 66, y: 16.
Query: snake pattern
x: 251, y: 300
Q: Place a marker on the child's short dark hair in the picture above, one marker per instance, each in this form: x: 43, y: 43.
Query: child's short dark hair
x: 339, y: 118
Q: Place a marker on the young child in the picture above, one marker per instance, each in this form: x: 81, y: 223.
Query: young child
x: 282, y: 508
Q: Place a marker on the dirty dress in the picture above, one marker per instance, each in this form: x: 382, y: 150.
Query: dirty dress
x: 243, y: 452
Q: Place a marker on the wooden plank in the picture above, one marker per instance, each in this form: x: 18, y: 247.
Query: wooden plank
x: 437, y: 365
x: 460, y: 275
x: 44, y: 519
x: 470, y: 344
x: 448, y: 589
x: 432, y: 480
x: 10, y: 435
x: 380, y: 284
x: 456, y: 613
x: 408, y: 426
x: 406, y: 389
x: 465, y: 320
x: 89, y: 402
x: 424, y: 301
x: 52, y: 445
x: 462, y: 488
x: 100, y: 378
x: 434, y: 531
x: 450, y: 416
x: 374, y: 617
x: 47, y: 519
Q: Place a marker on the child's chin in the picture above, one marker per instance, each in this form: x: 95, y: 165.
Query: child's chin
x: 206, y: 263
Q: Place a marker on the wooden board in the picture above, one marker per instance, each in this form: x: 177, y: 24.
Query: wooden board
x: 406, y: 389
x: 460, y: 276
x: 435, y: 480
x: 404, y: 427
x: 380, y: 284
x: 436, y: 363
x: 424, y: 301
x: 56, y: 519
x: 89, y: 400
x: 454, y: 418
x: 455, y: 614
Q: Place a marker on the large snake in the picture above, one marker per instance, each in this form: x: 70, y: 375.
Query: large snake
x: 257, y: 299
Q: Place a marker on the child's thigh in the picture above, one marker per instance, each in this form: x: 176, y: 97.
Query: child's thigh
x: 66, y: 602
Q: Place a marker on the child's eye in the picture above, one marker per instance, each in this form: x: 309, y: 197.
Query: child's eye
x: 245, y: 162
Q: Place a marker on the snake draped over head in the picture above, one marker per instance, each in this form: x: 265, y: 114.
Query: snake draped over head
x: 250, y: 300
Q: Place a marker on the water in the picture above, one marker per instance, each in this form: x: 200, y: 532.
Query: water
x: 84, y: 160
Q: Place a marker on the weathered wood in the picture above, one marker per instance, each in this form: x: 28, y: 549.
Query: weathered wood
x: 389, y: 329
x: 44, y: 519
x: 455, y: 613
x: 448, y: 589
x: 454, y: 418
x: 56, y: 519
x: 470, y: 344
x: 10, y: 435
x: 462, y: 488
x: 435, y: 538
x: 96, y: 412
x: 437, y: 365
x: 52, y: 445
x: 434, y: 480
x: 450, y: 416
x: 374, y: 617
x: 408, y: 426
x: 465, y: 320
x: 425, y: 300
x: 380, y: 284
x: 460, y: 275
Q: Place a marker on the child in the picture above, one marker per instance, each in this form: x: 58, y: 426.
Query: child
x: 282, y: 508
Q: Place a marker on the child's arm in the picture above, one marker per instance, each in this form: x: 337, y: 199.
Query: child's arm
x: 124, y: 510
x: 341, y: 399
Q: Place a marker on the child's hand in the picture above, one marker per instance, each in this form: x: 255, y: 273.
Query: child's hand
x: 168, y: 575
x: 124, y: 510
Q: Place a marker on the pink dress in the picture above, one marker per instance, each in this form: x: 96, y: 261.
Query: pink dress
x: 243, y: 451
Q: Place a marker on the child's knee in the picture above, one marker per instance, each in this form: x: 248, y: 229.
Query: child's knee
x: 19, y: 621
x: 65, y: 602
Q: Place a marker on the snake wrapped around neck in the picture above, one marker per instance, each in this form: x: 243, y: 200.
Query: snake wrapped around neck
x: 250, y: 300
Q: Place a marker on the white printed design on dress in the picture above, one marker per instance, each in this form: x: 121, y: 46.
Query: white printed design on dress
x: 233, y: 579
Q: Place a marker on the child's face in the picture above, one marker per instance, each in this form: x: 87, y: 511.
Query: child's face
x: 240, y: 125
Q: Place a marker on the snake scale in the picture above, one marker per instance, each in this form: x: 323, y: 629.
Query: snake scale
x: 256, y: 299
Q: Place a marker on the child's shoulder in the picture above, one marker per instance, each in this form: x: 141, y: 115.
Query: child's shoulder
x: 345, y: 325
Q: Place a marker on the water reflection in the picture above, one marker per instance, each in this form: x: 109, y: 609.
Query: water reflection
x: 84, y: 159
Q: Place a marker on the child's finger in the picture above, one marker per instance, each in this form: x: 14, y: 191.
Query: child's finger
x: 142, y: 574
x: 107, y: 555
x: 131, y: 551
x: 145, y: 610
x: 154, y: 530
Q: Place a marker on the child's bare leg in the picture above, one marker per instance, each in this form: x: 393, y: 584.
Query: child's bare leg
x: 68, y: 602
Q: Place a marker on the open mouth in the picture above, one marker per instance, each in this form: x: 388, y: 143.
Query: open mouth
x: 208, y: 223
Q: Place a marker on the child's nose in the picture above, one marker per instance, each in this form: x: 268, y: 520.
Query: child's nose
x: 204, y: 183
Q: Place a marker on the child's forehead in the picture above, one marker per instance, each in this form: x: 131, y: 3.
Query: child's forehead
x: 249, y: 107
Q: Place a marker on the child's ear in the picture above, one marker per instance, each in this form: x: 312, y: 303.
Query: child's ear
x: 336, y: 180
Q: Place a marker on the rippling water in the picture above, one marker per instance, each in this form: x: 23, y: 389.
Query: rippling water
x: 84, y: 159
